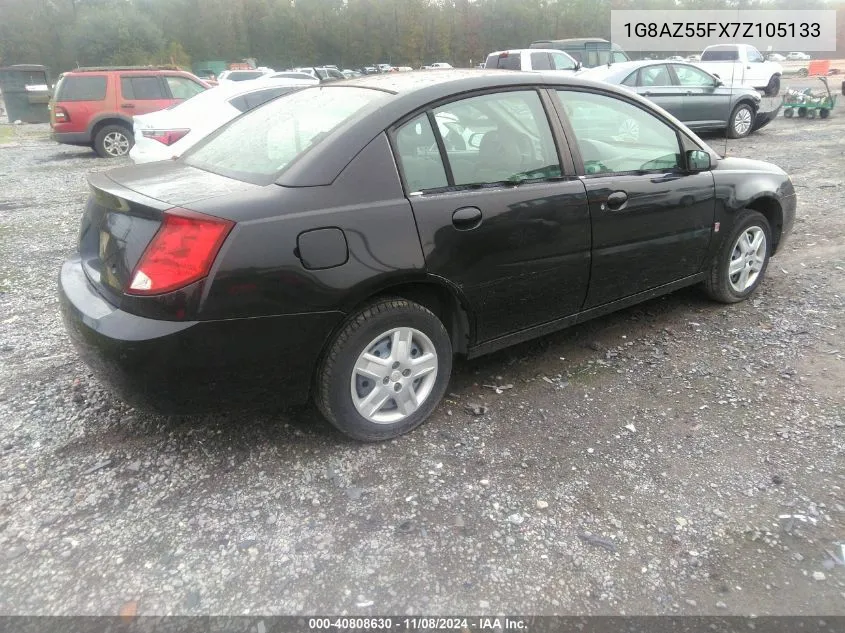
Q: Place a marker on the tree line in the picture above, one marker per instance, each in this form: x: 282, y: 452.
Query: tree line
x: 63, y: 34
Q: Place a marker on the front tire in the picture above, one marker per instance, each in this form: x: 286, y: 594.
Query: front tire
x: 741, y: 262
x: 113, y: 141
x: 741, y: 122
x: 385, y: 371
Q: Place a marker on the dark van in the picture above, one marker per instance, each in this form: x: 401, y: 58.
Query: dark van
x: 590, y: 51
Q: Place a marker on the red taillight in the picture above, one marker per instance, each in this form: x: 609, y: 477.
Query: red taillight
x: 180, y: 253
x: 168, y: 137
x: 60, y: 114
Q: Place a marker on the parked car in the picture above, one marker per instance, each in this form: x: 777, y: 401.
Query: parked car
x: 694, y: 58
x: 798, y: 57
x: 327, y: 243
x: 694, y: 96
x: 589, y: 52
x: 95, y: 106
x: 169, y: 133
x: 675, y: 58
x: 243, y: 75
x: 742, y: 64
x: 776, y: 57
x: 438, y: 66
x: 532, y: 59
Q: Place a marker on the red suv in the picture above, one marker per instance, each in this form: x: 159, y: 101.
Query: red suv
x: 94, y: 106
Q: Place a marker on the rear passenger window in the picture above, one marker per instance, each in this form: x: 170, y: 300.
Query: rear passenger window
x: 496, y: 138
x: 540, y: 61
x: 82, y: 88
x: 141, y: 88
x: 420, y: 156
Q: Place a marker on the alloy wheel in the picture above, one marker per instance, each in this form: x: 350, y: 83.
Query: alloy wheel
x: 116, y: 144
x: 747, y: 259
x: 394, y: 375
x: 742, y: 121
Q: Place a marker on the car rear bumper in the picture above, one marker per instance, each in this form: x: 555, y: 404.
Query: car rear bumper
x: 193, y: 366
x: 71, y: 138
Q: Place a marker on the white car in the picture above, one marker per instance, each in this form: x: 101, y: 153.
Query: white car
x: 243, y: 75
x: 798, y: 57
x: 167, y: 134
x: 675, y: 58
x: 437, y: 66
x: 776, y: 57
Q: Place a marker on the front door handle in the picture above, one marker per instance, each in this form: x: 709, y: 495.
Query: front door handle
x: 466, y: 218
x: 127, y: 105
x: 616, y: 200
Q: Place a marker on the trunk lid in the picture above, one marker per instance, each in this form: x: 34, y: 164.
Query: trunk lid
x: 125, y: 209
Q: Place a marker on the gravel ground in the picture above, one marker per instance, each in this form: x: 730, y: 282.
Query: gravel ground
x: 638, y: 465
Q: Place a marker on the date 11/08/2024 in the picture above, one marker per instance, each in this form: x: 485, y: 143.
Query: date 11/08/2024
x: 420, y: 623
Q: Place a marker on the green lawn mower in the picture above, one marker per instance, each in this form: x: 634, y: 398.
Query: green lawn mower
x: 808, y: 104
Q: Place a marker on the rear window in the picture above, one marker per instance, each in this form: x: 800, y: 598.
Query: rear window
x: 507, y: 62
x: 262, y: 143
x: 252, y: 100
x: 719, y: 54
x: 243, y: 75
x: 81, y: 88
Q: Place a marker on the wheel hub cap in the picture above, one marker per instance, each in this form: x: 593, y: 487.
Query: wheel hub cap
x: 394, y: 375
x: 747, y: 259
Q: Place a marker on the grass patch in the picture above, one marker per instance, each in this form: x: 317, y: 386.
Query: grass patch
x: 6, y: 134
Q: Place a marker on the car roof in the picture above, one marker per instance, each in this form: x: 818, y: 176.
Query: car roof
x: 407, y: 93
x: 512, y: 51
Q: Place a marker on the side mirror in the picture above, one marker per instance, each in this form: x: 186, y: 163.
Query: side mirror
x: 475, y: 140
x: 577, y: 66
x: 698, y: 160
x: 718, y: 83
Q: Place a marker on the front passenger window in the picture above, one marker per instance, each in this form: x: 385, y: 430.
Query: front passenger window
x: 616, y: 136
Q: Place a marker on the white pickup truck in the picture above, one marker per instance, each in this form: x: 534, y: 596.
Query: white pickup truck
x: 742, y: 64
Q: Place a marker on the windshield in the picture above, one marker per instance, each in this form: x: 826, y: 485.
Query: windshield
x: 258, y: 146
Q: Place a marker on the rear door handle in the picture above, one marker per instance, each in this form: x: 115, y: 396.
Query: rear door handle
x: 466, y: 218
x: 616, y: 200
x: 127, y: 105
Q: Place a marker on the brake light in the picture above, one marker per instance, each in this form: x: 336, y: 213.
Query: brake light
x: 60, y: 114
x: 168, y: 137
x: 180, y: 253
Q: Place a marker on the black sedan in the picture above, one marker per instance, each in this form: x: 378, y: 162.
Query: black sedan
x: 691, y: 94
x: 331, y: 244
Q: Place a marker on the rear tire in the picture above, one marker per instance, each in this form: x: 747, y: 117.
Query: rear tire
x: 824, y: 113
x: 741, y: 262
x: 385, y: 371
x: 113, y: 141
x: 741, y: 122
x: 773, y: 87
